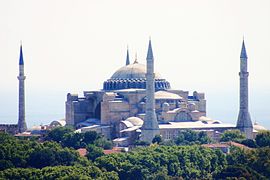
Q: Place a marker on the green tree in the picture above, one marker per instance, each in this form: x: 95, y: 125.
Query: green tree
x: 263, y: 139
x: 259, y: 160
x: 43, y: 158
x: 58, y: 172
x: 249, y: 143
x: 94, y: 152
x: 141, y: 143
x: 58, y: 133
x: 90, y: 137
x: 74, y: 140
x: 103, y: 143
x: 238, y: 172
x: 232, y: 135
x: 5, y: 164
x: 157, y: 139
x: 189, y: 137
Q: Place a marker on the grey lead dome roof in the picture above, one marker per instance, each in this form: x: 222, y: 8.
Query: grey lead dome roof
x: 132, y: 71
x: 133, y: 76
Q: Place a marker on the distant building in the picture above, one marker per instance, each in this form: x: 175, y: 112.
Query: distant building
x: 225, y: 146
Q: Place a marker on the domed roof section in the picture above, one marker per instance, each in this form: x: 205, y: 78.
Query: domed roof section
x: 135, y: 121
x: 167, y: 95
x: 258, y: 127
x: 133, y: 71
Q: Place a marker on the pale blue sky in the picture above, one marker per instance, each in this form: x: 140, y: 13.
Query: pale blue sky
x: 72, y: 46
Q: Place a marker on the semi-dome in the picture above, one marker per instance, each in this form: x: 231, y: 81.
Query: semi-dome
x: 133, y: 76
x: 135, y: 121
x: 132, y: 71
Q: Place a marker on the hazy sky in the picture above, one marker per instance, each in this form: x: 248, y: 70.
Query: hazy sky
x: 72, y: 46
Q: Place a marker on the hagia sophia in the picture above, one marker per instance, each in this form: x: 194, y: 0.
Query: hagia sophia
x: 137, y: 103
x: 119, y: 110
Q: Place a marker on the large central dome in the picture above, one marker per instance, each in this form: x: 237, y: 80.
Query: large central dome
x: 133, y: 76
x: 133, y: 71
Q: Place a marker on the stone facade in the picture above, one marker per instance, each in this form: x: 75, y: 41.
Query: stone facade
x: 115, y: 103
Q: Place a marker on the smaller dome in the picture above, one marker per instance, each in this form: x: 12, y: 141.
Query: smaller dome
x: 258, y: 127
x: 204, y: 118
x: 165, y: 107
x: 61, y: 122
x: 127, y: 124
x: 165, y: 104
x: 135, y: 121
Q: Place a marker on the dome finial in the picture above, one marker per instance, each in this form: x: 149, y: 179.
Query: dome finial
x: 136, y: 60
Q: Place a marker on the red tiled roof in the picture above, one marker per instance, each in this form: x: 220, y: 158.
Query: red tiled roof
x: 111, y: 151
x: 231, y: 143
x: 215, y: 145
x: 225, y: 144
x: 26, y: 135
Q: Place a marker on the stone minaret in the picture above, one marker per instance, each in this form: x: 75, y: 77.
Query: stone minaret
x: 21, y: 120
x: 150, y: 126
x: 244, y: 122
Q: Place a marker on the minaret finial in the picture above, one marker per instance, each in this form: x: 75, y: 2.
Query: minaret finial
x: 127, y: 58
x: 136, y: 59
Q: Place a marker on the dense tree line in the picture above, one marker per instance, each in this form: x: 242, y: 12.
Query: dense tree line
x: 261, y: 140
x: 30, y: 159
x: 167, y: 161
x: 58, y: 172
x: 185, y: 137
x: 30, y: 153
x: 68, y: 138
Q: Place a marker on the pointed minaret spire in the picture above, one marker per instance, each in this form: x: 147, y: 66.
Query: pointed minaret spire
x: 127, y: 59
x: 150, y: 51
x: 243, y: 54
x: 21, y: 56
x: 21, y: 118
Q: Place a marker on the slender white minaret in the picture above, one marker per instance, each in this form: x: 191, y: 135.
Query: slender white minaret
x: 244, y: 122
x: 150, y: 126
x: 21, y: 119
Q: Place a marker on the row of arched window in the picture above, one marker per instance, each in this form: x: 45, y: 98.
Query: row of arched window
x: 136, y: 84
